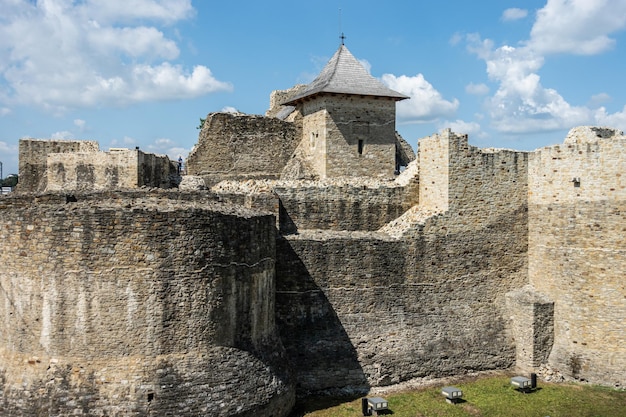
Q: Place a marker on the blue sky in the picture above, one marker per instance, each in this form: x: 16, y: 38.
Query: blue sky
x: 512, y: 74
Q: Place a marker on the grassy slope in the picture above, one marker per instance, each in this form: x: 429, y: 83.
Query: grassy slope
x: 494, y: 396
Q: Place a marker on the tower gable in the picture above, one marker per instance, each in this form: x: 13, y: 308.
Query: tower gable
x: 344, y: 74
x: 348, y: 120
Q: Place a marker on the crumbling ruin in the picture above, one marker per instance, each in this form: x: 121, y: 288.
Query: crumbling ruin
x: 324, y: 270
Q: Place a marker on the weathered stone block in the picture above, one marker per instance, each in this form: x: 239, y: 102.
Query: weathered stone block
x: 531, y: 317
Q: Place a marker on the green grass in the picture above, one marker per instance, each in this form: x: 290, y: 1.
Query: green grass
x: 494, y: 396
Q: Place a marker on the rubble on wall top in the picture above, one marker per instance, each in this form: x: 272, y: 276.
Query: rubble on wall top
x: 529, y: 294
x: 192, y: 183
x: 496, y: 150
x: 57, y: 140
x: 409, y: 174
x: 322, y: 235
x: 587, y: 134
x: 264, y: 185
x: 416, y: 215
x: 130, y: 200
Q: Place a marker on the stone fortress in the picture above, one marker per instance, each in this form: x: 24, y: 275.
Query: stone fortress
x: 308, y: 251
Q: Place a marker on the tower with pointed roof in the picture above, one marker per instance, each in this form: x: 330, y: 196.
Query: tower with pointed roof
x: 349, y: 120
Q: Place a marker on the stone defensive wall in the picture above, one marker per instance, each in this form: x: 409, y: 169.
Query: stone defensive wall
x: 359, y: 309
x: 332, y: 204
x: 334, y: 151
x: 119, y: 168
x: 232, y: 146
x: 232, y: 302
x: 577, y: 250
x: 138, y: 306
x: 48, y: 165
x: 345, y: 206
x: 465, y: 179
x: 34, y: 155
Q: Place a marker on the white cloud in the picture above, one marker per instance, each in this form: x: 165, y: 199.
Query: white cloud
x: 167, y: 81
x: 60, y: 54
x: 477, y: 89
x: 598, y: 99
x: 513, y: 65
x: 5, y: 111
x: 472, y: 129
x: 229, y: 109
x: 577, y: 26
x: 6, y: 148
x: 128, y: 11
x: 126, y: 141
x: 522, y: 104
x: 617, y: 119
x: 62, y: 135
x: 8, y: 157
x: 481, y: 47
x: 366, y: 64
x: 514, y: 14
x: 80, y: 124
x: 456, y: 38
x: 145, y: 42
x: 425, y: 104
x: 165, y: 146
x: 540, y: 109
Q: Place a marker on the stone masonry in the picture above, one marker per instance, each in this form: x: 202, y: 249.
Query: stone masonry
x: 34, y: 159
x: 293, y: 265
x: 80, y: 166
x: 138, y: 305
x: 131, y: 301
x: 577, y: 250
x: 232, y: 146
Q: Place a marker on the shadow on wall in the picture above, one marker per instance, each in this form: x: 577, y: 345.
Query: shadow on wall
x: 287, y: 225
x: 319, y: 350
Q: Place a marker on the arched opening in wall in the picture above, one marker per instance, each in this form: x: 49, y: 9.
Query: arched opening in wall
x: 360, y: 146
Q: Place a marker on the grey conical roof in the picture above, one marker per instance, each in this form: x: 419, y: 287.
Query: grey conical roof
x: 344, y: 74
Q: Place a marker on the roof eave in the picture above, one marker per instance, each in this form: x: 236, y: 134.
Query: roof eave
x: 312, y: 95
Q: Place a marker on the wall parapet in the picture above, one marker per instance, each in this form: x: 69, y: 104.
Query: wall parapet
x: 241, y: 146
x: 33, y: 155
x: 577, y: 250
x: 531, y: 315
x: 139, y: 303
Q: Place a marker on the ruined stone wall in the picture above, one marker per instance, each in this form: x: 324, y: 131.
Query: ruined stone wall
x: 469, y: 183
x: 434, y: 156
x: 155, y: 170
x: 359, y: 310
x: 429, y: 304
x: 482, y: 238
x: 33, y: 159
x: 138, y: 306
x: 484, y: 184
x: 333, y: 297
x: 532, y: 325
x: 342, y: 206
x: 476, y: 251
x: 577, y: 252
x: 278, y: 97
x: 232, y: 146
x: 314, y: 145
x: 346, y: 121
x: 119, y: 168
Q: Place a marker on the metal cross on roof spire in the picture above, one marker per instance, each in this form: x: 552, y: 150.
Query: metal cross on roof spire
x: 342, y: 37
